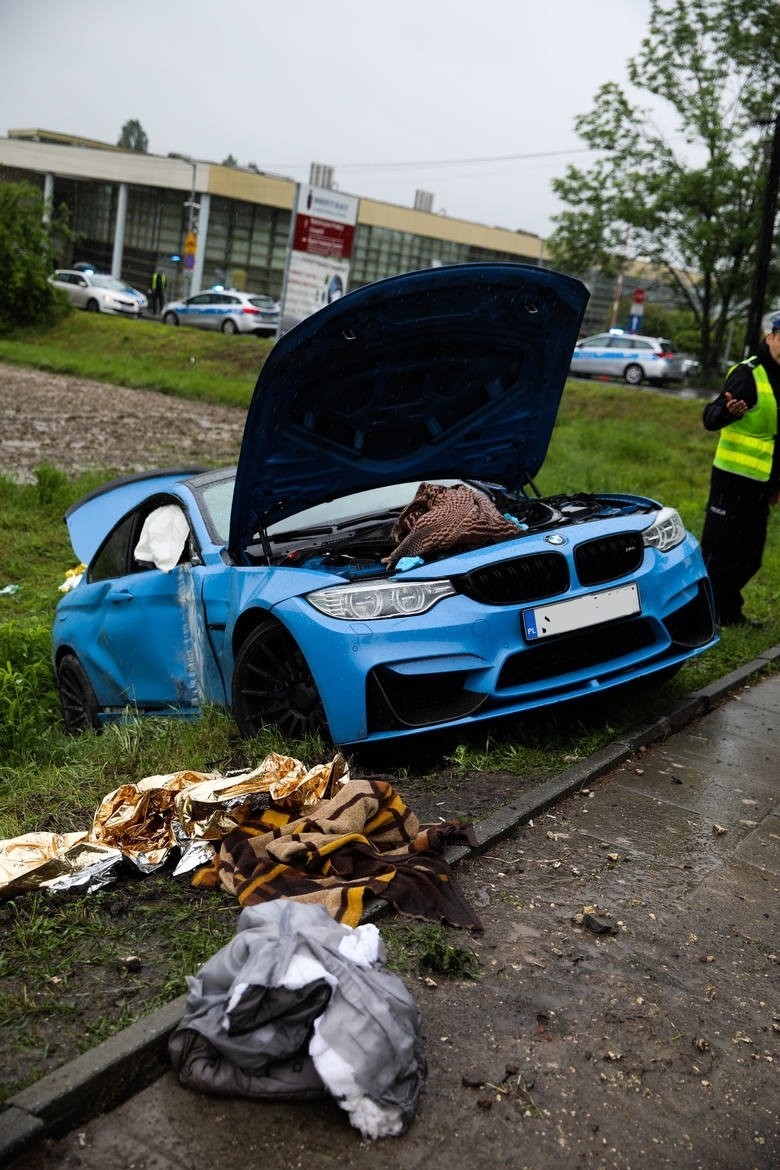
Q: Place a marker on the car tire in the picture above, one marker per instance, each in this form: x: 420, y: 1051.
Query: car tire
x: 634, y: 374
x: 229, y: 326
x: 77, y: 698
x: 170, y: 319
x: 93, y: 306
x: 272, y: 685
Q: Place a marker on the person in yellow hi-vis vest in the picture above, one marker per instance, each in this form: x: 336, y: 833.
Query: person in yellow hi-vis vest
x: 745, y: 476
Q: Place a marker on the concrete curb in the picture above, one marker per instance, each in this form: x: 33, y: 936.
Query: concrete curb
x: 100, y: 1079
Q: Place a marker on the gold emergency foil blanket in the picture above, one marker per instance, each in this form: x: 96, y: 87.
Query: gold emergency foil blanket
x: 138, y: 819
x: 215, y: 808
x: 49, y: 859
x: 144, y: 822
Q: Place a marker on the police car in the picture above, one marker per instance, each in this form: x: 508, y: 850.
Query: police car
x: 225, y: 309
x: 629, y: 356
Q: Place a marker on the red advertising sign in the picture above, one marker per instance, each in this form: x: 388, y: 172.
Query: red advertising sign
x: 320, y: 237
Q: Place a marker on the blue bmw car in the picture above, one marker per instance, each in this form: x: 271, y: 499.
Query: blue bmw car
x: 379, y: 563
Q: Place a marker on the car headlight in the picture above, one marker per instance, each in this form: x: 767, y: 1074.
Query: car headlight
x: 385, y: 599
x: 666, y: 532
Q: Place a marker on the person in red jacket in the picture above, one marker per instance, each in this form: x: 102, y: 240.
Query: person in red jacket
x: 745, y: 476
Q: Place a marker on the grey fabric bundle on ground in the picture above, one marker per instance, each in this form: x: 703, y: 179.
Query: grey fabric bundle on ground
x: 296, y: 1005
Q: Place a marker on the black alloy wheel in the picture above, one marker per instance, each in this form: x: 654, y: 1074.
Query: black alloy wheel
x: 77, y: 698
x: 272, y: 684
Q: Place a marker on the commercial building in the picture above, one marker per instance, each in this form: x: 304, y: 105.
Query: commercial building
x: 132, y: 213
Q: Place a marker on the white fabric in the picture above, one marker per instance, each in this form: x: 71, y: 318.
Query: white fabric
x: 163, y: 537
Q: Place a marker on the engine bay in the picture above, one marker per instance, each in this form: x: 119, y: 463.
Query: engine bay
x: 361, y: 546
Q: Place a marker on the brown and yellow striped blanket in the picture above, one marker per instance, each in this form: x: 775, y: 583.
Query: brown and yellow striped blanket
x: 360, y: 843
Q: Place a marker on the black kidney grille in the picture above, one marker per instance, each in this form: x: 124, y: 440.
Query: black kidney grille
x: 517, y: 581
x: 608, y: 557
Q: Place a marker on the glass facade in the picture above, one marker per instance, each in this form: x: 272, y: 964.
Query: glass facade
x: 245, y: 242
x: 246, y: 246
x: 380, y: 252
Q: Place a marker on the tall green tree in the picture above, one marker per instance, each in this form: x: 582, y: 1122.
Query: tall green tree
x: 30, y: 235
x: 133, y: 137
x: 688, y: 199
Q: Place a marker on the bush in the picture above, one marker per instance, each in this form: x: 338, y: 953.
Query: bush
x: 29, y: 706
x: 27, y: 250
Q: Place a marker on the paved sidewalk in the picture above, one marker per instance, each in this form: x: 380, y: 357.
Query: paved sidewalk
x: 628, y: 1012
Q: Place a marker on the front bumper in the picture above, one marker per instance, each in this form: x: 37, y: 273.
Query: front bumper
x: 464, y: 661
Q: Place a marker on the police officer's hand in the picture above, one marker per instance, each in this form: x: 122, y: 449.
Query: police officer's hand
x: 734, y: 405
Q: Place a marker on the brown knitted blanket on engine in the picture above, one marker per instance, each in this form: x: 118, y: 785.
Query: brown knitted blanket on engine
x: 442, y: 519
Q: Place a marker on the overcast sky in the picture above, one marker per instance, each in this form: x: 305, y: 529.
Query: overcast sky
x: 455, y: 97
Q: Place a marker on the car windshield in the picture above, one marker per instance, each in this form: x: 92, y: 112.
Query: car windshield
x: 216, y: 499
x: 262, y: 302
x: 110, y: 283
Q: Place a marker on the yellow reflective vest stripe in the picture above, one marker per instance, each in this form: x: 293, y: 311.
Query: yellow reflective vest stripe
x: 746, y: 446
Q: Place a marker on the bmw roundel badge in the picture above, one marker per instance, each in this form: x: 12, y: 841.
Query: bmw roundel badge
x: 555, y: 538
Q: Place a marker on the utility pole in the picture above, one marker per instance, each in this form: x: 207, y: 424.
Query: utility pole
x: 764, y: 248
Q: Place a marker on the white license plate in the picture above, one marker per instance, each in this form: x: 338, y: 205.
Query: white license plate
x: 561, y: 617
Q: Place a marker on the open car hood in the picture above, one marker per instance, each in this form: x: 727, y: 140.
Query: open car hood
x: 452, y: 372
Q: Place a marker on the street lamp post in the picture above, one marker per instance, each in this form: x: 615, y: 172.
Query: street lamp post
x: 192, y: 225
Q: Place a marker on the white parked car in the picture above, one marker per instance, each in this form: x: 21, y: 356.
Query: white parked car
x: 97, y: 292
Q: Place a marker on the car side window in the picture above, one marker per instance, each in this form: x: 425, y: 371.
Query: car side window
x: 111, y: 559
x: 167, y: 538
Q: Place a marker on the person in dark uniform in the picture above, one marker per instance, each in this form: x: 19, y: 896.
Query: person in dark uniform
x: 745, y: 476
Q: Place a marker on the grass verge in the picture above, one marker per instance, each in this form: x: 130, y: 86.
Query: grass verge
x: 186, y: 363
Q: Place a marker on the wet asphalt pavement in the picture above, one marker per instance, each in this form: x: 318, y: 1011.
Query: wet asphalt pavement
x: 628, y: 1011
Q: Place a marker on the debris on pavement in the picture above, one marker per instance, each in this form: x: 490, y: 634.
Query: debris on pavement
x: 595, y: 921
